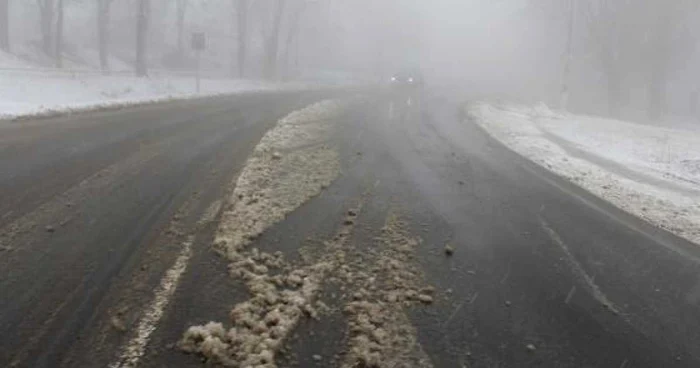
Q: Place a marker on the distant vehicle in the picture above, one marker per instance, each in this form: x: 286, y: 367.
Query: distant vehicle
x: 411, y: 79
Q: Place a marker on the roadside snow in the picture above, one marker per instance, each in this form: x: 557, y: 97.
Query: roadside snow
x: 669, y: 154
x: 29, y: 89
x: 651, y: 172
x: 48, y: 92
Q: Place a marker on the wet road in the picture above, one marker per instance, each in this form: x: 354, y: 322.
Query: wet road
x: 97, y: 208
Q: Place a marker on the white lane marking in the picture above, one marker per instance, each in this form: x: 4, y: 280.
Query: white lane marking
x: 135, y: 348
x: 579, y: 272
x: 211, y: 212
x: 468, y: 300
x: 570, y: 295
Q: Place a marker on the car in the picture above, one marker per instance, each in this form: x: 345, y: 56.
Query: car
x: 407, y: 80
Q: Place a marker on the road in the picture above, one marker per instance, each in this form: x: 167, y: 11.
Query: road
x: 107, y: 223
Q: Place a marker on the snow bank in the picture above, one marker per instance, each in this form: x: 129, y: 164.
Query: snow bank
x: 292, y: 163
x: 669, y: 154
x: 651, y: 172
x: 47, y: 93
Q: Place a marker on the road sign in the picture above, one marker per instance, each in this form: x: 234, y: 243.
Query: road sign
x: 199, y: 41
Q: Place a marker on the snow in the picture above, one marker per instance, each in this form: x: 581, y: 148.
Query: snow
x: 292, y: 163
x: 649, y: 171
x: 667, y: 154
x: 28, y: 89
x: 380, y: 333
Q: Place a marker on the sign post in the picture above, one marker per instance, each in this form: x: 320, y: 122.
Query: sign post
x: 199, y: 44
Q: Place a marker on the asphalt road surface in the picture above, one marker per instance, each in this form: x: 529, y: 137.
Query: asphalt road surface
x: 95, y: 209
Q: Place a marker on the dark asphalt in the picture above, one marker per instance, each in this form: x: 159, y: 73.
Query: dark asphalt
x: 94, y: 208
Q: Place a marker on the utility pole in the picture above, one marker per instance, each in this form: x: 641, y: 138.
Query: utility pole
x: 568, y: 58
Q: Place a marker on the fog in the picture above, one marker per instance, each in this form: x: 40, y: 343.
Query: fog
x: 349, y: 183
x: 632, y: 59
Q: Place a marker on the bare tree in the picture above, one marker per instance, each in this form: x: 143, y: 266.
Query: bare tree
x: 612, y: 39
x: 293, y: 33
x: 273, y: 41
x: 242, y: 7
x: 181, y: 11
x: 58, y: 49
x: 568, y: 57
x: 553, y: 12
x: 669, y: 42
x: 5, y: 25
x: 46, y: 10
x: 644, y: 38
x: 142, y: 37
x: 103, y: 22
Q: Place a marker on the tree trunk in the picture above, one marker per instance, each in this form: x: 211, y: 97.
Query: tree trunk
x: 662, y: 44
x: 142, y: 38
x: 46, y: 9
x: 693, y: 106
x: 292, y: 37
x: 568, y: 59
x: 273, y: 42
x: 58, y: 56
x: 103, y: 33
x: 5, y: 25
x: 181, y: 9
x: 614, y: 97
x: 657, y: 94
x: 242, y: 36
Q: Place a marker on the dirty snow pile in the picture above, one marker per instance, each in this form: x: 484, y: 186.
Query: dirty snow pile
x: 377, y: 286
x: 380, y: 333
x: 281, y: 295
x: 649, y: 171
x: 292, y: 163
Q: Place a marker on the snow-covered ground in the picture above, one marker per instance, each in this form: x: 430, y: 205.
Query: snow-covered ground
x: 651, y: 172
x: 44, y: 93
x: 30, y: 89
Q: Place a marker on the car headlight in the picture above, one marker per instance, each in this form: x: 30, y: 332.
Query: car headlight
x: 393, y: 79
x: 410, y: 80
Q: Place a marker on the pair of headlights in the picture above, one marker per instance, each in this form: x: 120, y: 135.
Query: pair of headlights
x: 394, y: 79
